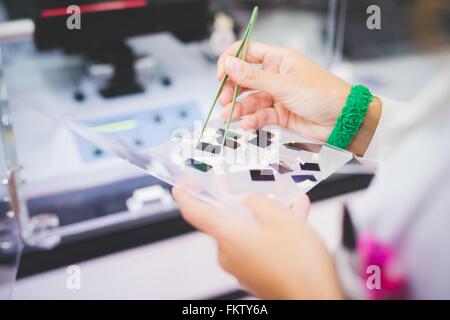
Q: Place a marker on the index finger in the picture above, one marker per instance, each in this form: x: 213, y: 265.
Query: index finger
x: 256, y: 52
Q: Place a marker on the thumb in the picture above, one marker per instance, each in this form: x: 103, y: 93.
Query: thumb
x: 246, y: 75
x: 264, y: 209
x: 302, y: 205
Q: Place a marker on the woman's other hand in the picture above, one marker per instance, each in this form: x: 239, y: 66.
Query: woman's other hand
x: 275, y: 255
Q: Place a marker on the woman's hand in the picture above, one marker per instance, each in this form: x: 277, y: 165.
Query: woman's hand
x: 276, y: 255
x: 292, y: 92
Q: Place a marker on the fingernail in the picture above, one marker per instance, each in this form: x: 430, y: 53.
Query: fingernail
x: 219, y: 72
x: 224, y: 113
x: 248, y: 122
x: 232, y: 64
x: 222, y: 100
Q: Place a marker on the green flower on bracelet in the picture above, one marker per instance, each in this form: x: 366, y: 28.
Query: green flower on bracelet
x: 351, y: 118
x: 352, y: 122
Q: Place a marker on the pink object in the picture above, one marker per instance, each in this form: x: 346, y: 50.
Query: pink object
x: 391, y: 283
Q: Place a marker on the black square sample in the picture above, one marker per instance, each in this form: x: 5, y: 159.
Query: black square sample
x: 303, y: 177
x: 207, y: 147
x: 230, y: 134
x: 198, y: 165
x: 304, y: 146
x: 310, y: 166
x: 229, y: 143
x: 263, y: 134
x: 262, y: 143
x: 281, y: 167
x: 262, y: 175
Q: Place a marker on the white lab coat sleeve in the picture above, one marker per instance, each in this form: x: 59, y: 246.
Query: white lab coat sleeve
x: 386, y: 135
x: 399, y: 119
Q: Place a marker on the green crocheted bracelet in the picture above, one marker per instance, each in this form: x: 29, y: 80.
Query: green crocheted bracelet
x: 351, y: 118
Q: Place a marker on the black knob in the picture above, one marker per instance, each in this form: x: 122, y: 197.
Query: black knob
x: 166, y: 81
x: 157, y: 118
x: 79, y: 96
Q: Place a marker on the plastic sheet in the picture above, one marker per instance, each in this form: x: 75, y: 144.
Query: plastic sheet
x: 272, y: 161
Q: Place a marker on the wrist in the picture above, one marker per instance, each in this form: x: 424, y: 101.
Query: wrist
x: 356, y: 125
x: 362, y: 139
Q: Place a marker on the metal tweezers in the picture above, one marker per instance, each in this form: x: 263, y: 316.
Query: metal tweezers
x: 240, y: 53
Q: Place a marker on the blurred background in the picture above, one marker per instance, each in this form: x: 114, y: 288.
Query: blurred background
x: 137, y: 70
